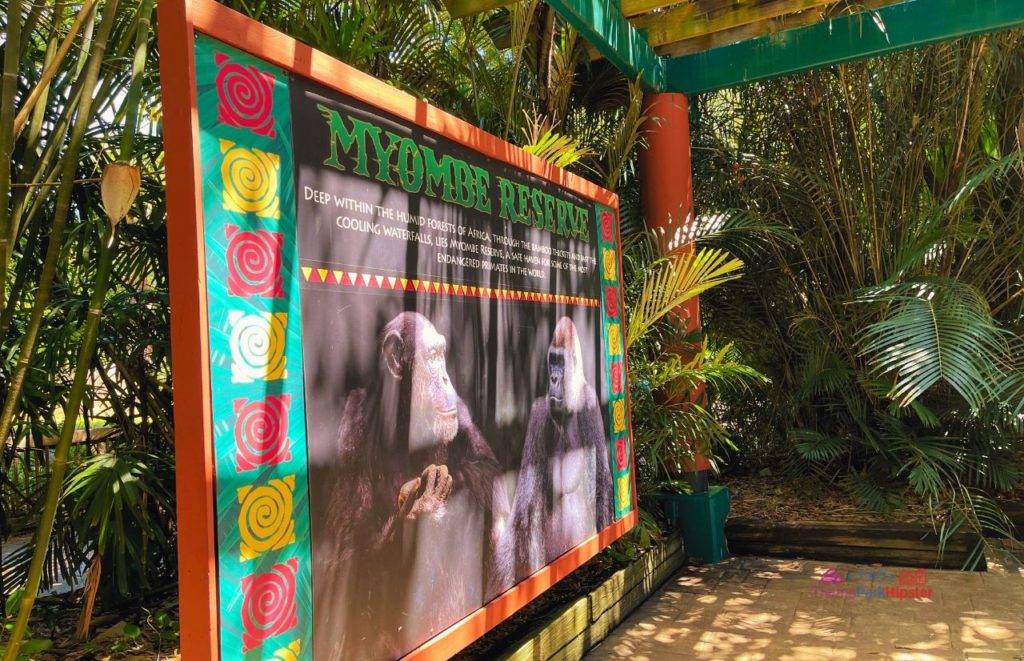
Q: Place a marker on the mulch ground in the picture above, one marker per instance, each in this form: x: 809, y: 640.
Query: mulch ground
x: 776, y: 499
x: 582, y: 581
x: 113, y: 636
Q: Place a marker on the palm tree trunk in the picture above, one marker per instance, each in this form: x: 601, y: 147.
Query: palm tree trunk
x: 522, y: 18
x: 92, y: 586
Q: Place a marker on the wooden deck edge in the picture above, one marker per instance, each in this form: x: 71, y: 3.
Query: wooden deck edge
x: 574, y: 629
x: 897, y: 544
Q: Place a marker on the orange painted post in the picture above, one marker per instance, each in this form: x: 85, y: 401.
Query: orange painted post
x: 666, y: 176
x: 193, y: 435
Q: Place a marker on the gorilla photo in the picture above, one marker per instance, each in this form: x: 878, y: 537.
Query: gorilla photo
x: 564, y: 491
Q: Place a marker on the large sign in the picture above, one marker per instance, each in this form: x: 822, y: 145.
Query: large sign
x: 400, y: 374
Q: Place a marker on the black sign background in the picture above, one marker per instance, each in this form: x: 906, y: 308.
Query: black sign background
x: 496, y: 358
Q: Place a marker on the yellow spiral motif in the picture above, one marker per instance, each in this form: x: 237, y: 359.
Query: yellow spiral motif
x: 265, y: 520
x: 624, y: 500
x: 290, y: 653
x: 614, y: 340
x: 609, y: 264
x: 257, y: 346
x: 250, y: 178
x: 619, y: 415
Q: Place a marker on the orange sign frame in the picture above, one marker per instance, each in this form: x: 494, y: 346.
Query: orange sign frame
x: 179, y: 21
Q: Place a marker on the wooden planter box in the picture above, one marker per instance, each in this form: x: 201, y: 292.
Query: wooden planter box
x: 572, y: 630
x: 900, y: 544
x: 1014, y: 509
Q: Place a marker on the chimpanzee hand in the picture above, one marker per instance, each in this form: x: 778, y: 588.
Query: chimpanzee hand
x: 425, y: 494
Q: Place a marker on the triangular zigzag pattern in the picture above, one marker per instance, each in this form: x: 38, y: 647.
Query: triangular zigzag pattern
x: 323, y: 276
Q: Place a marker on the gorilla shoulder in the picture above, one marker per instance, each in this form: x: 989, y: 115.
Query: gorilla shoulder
x: 589, y: 398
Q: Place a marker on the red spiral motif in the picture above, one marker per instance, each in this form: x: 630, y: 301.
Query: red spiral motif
x: 254, y: 262
x: 621, y: 457
x: 246, y: 96
x: 269, y: 606
x: 616, y: 378
x: 611, y: 301
x: 606, y: 226
x: 261, y: 432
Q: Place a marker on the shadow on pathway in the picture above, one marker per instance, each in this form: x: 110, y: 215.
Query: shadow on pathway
x: 761, y: 609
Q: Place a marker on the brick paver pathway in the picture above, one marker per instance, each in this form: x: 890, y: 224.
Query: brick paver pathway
x: 766, y: 609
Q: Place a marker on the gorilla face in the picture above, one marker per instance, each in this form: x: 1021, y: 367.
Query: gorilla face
x: 565, y: 371
x: 556, y: 379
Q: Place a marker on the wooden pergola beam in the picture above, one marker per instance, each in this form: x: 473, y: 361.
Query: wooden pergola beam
x: 690, y: 20
x: 768, y: 26
x: 892, y: 28
x: 636, y: 7
x: 749, y: 31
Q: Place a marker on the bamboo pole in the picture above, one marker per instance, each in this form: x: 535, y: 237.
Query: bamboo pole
x: 131, y: 123
x: 82, y: 120
x: 60, y: 458
x: 50, y: 71
x: 87, y: 350
x: 42, y: 540
x: 35, y: 127
x: 8, y: 90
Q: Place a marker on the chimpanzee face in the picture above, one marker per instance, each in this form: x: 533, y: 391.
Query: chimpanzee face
x: 415, y: 353
x: 433, y: 393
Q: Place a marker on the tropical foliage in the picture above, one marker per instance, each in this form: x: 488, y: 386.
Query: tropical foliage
x: 884, y: 299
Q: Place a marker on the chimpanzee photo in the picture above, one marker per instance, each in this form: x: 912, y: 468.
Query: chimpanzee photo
x: 417, y: 501
x: 564, y: 491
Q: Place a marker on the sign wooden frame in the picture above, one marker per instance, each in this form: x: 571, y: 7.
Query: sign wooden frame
x: 179, y: 22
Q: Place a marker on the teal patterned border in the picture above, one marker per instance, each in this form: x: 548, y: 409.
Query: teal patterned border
x: 252, y: 281
x: 613, y: 331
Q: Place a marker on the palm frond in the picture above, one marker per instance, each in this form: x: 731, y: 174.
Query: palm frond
x: 557, y: 148
x: 935, y: 331
x: 673, y: 280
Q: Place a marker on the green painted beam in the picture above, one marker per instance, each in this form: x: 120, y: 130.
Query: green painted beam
x: 602, y: 24
x: 859, y: 36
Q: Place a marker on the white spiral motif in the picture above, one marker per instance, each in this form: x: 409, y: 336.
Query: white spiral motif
x: 257, y: 346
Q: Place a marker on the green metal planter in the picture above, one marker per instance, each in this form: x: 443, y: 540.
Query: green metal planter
x: 701, y: 519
